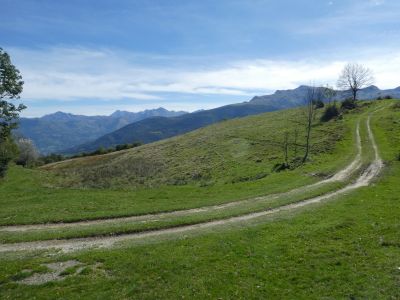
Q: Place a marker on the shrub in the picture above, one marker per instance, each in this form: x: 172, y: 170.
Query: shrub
x: 280, y: 167
x: 330, y: 112
x: 349, y: 104
x: 387, y: 97
x: 121, y: 147
x: 319, y: 104
x: 103, y: 150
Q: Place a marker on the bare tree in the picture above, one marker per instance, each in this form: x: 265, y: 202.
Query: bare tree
x: 286, y: 148
x: 313, y: 95
x: 354, y: 77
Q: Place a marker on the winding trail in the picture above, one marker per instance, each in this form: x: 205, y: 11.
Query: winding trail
x: 364, y: 179
x: 339, y: 176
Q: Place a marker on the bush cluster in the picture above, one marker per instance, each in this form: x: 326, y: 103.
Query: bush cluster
x: 387, y: 97
x: 330, y: 113
x: 103, y: 150
x: 348, y: 104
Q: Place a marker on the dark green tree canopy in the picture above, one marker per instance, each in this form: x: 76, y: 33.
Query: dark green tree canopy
x: 10, y: 88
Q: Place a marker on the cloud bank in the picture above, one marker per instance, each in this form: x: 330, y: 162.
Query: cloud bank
x: 70, y: 74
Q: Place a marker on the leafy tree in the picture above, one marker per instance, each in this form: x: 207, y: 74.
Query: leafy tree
x: 10, y: 88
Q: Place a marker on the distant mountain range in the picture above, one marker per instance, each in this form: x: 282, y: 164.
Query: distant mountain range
x: 157, y: 128
x: 295, y: 97
x: 58, y: 131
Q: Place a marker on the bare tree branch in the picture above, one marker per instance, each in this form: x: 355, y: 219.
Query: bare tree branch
x: 354, y: 77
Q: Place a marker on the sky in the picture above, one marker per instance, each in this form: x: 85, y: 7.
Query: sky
x: 93, y: 57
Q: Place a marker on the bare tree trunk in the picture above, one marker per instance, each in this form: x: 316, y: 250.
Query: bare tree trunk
x: 354, y: 94
x: 312, y: 95
x: 308, y: 137
x: 286, y: 149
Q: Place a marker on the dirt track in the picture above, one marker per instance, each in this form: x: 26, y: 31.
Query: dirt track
x: 84, y: 243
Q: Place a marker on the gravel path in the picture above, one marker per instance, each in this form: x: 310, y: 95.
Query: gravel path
x: 103, y: 242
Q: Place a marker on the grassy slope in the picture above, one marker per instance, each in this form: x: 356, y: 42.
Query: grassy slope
x: 231, y: 151
x: 29, y: 196
x: 344, y: 249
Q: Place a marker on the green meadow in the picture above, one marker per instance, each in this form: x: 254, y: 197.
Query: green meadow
x: 348, y: 247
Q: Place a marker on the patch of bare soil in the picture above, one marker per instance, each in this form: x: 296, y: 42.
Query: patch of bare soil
x: 55, y: 273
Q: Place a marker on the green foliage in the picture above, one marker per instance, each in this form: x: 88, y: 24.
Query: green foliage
x: 330, y: 112
x: 10, y: 88
x: 8, y: 150
x: 103, y: 150
x: 387, y: 97
x: 319, y: 104
x: 51, y: 158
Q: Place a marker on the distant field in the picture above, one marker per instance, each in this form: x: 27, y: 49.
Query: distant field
x: 346, y: 248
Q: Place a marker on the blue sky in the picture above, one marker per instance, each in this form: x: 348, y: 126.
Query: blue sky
x: 93, y: 57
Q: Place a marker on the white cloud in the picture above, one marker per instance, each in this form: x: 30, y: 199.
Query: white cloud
x: 68, y: 74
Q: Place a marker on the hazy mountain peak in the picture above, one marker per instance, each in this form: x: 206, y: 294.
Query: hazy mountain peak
x: 120, y: 113
x: 371, y: 88
x: 59, y: 115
